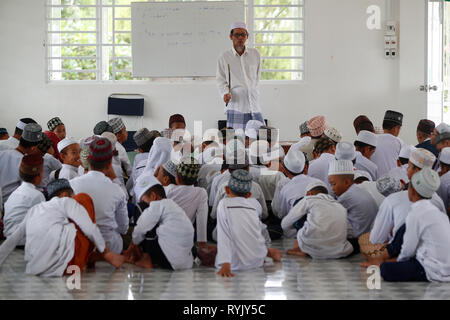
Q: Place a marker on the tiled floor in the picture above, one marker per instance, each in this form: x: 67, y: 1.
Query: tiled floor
x: 293, y: 278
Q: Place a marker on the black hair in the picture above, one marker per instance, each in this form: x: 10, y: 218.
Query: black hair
x: 147, y: 145
x: 389, y: 125
x: 97, y: 165
x: 359, y: 144
x: 320, y: 189
x: 360, y: 180
x: 27, y: 144
x: 158, y: 189
x: 27, y: 177
x: 445, y: 166
x: 26, y: 121
x: 3, y: 134
x: 59, y: 192
x: 171, y: 177
x: 403, y: 161
x: 187, y: 181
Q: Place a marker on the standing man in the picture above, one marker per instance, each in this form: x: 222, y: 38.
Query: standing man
x: 244, y: 71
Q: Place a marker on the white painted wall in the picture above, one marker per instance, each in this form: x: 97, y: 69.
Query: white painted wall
x: 346, y: 75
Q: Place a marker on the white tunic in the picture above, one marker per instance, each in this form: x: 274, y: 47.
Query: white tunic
x: 194, y: 202
x: 444, y: 190
x: 50, y: 164
x: 17, y: 206
x: 268, y: 182
x: 205, y: 171
x: 319, y: 169
x: 10, y: 143
x: 239, y: 234
x: 245, y: 75
x: 110, y: 204
x: 68, y: 172
x: 292, y: 191
x: 361, y: 209
x: 50, y: 237
x: 123, y: 157
x: 362, y: 163
x: 215, y: 184
x: 371, y: 187
x: 392, y: 215
x: 324, y: 234
x: 386, y: 153
x: 399, y: 173
x: 427, y: 238
x: 256, y: 194
x: 9, y: 172
x: 175, y: 232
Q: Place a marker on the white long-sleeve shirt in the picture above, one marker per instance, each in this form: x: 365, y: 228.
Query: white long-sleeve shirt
x: 362, y: 163
x: 240, y: 239
x: 324, y: 234
x: 361, y: 209
x: 427, y: 238
x: 19, y: 202
x: 392, y: 215
x: 68, y: 172
x: 268, y: 182
x: 9, y: 172
x: 50, y: 237
x: 318, y: 169
x: 217, y: 181
x: 50, y: 164
x: 245, y: 74
x: 123, y: 157
x: 194, y: 202
x: 175, y: 232
x: 371, y: 187
x: 444, y: 189
x: 386, y: 153
x: 110, y: 206
x: 292, y: 191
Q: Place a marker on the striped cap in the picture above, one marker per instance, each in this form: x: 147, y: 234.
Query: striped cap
x: 53, y: 123
x: 101, y: 127
x: 32, y: 132
x: 100, y: 150
x: 240, y: 182
x: 188, y: 168
x: 116, y: 124
x: 142, y: 136
x: 45, y: 144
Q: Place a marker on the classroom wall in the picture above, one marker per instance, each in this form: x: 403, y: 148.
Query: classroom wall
x: 346, y: 75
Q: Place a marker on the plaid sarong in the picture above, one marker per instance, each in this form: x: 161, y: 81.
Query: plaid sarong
x: 238, y: 120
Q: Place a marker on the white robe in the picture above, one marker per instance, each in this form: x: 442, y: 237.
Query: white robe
x: 362, y: 163
x: 399, y: 173
x: 175, y: 232
x: 50, y: 164
x: 123, y: 157
x: 427, y: 238
x: 444, y: 189
x: 68, y: 172
x: 50, y: 237
x: 292, y: 191
x: 268, y: 181
x: 324, y: 234
x: 392, y: 215
x: 361, y: 209
x: 217, y: 181
x: 205, y: 171
x: 9, y: 172
x: 19, y: 202
x: 194, y: 202
x: 240, y: 239
x: 319, y: 169
x: 371, y: 187
x: 9, y: 144
x: 110, y: 204
x: 386, y: 153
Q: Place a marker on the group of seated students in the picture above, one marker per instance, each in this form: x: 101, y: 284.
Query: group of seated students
x: 219, y: 200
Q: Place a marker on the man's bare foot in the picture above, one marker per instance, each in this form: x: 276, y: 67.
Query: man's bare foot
x: 376, y: 261
x: 296, y: 252
x: 144, y: 262
x: 275, y: 254
x: 115, y: 259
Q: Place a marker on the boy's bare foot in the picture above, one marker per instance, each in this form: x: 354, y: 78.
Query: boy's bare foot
x: 275, y: 254
x: 115, y: 259
x: 144, y: 262
x: 372, y: 261
x: 296, y: 252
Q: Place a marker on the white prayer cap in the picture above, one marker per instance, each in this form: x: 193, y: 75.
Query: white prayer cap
x: 64, y: 143
x: 314, y: 184
x: 426, y: 182
x: 238, y: 24
x: 362, y: 173
x: 367, y: 137
x: 443, y: 127
x: 144, y: 182
x: 345, y: 151
x: 445, y: 156
x: 111, y: 138
x: 20, y: 125
x: 341, y: 167
x: 276, y: 152
x: 295, y: 160
x: 251, y: 129
x: 422, y: 158
x: 333, y: 134
x: 405, y: 152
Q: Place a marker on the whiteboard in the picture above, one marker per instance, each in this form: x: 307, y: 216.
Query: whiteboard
x: 181, y: 39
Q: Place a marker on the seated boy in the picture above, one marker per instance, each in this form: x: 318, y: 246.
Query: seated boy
x: 45, y: 149
x: 60, y: 233
x: 163, y: 235
x: 324, y: 233
x: 361, y: 206
x: 240, y: 241
x: 69, y: 151
x: 425, y: 253
x: 25, y: 196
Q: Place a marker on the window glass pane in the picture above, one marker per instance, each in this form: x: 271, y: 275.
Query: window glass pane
x: 75, y: 2
x: 278, y: 2
x: 278, y: 12
x: 78, y: 64
x: 72, y: 25
x: 282, y: 76
x: 76, y: 51
x: 122, y: 38
x: 278, y: 25
x: 73, y: 38
x: 122, y: 25
x: 279, y: 38
x: 122, y: 51
x: 122, y: 64
x: 280, y: 51
x: 286, y: 64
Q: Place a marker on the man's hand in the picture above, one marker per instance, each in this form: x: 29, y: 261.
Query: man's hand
x: 227, y: 97
x: 225, y: 271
